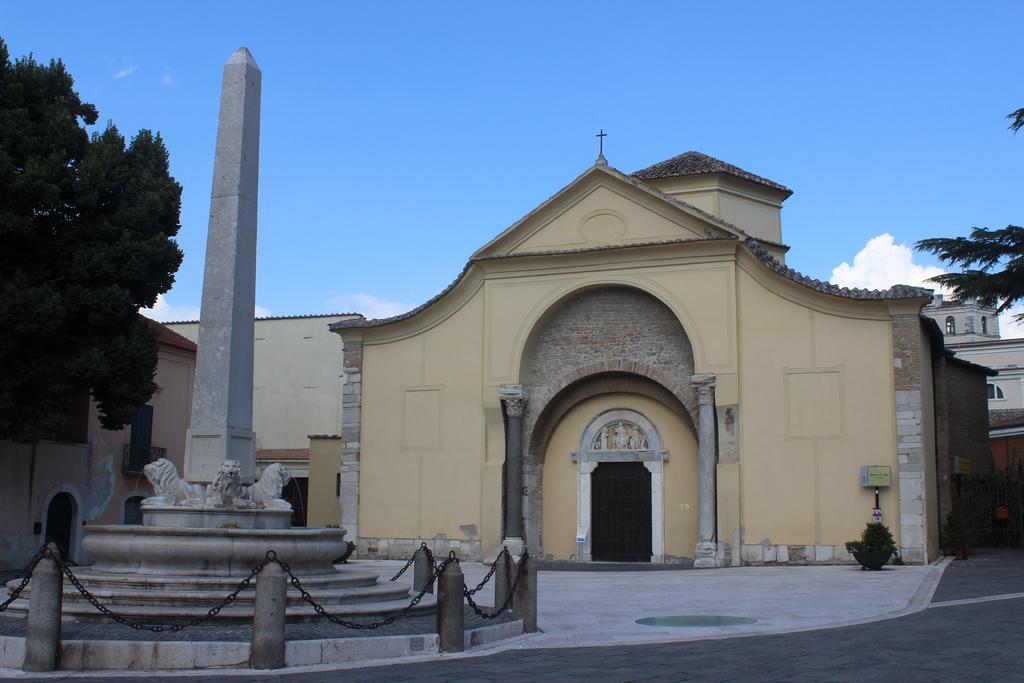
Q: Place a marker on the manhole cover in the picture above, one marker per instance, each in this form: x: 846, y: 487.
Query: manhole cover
x: 695, y: 620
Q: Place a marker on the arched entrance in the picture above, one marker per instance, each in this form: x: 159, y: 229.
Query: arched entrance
x: 596, y: 342
x: 60, y: 518
x: 620, y: 482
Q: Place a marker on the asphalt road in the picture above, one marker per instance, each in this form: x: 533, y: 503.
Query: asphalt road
x: 977, y: 641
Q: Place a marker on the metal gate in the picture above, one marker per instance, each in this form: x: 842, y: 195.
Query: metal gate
x: 991, y: 507
x: 621, y: 512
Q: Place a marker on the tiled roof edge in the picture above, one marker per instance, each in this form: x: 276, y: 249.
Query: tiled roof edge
x: 894, y: 292
x: 376, y: 322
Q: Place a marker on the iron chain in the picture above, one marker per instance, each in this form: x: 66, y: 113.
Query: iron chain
x: 390, y: 619
x: 26, y: 575
x: 490, y: 573
x: 160, y: 628
x: 423, y: 546
x: 508, y: 598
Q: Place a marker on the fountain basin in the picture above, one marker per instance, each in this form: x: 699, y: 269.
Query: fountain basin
x: 209, y: 552
x: 179, y: 517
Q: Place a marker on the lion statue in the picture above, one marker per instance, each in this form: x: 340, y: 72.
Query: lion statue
x: 170, y: 488
x: 226, y: 491
x: 266, y: 493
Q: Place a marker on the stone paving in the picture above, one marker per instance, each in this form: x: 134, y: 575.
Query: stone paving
x: 950, y: 641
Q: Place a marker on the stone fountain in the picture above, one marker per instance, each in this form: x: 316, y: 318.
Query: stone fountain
x: 199, y: 539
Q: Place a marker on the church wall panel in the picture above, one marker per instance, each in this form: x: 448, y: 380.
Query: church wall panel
x: 423, y: 436
x: 817, y: 402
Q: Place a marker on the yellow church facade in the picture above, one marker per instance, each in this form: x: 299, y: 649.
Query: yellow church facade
x: 630, y: 372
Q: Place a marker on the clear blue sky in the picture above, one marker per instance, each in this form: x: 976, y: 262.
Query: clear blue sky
x: 399, y: 137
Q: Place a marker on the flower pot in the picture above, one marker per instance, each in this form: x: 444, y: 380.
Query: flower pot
x: 872, y: 559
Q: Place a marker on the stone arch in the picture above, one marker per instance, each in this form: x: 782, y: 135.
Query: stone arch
x: 124, y: 508
x: 596, y: 335
x: 74, y: 551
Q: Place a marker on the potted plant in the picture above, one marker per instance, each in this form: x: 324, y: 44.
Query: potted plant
x: 954, y: 537
x: 875, y: 547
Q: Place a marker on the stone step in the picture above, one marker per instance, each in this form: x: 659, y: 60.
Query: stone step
x: 225, y: 584
x: 206, y: 599
x: 237, y: 613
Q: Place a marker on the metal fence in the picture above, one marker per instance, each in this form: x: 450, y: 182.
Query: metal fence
x: 991, y: 507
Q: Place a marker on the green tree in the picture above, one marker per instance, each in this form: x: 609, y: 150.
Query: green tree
x: 1016, y: 120
x: 991, y: 261
x: 85, y: 240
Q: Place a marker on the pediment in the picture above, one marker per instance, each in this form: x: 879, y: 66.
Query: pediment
x: 604, y: 208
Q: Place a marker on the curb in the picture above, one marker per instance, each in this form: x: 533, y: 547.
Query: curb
x: 182, y: 657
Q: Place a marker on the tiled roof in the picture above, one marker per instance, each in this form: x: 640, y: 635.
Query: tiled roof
x: 1011, y: 417
x: 762, y: 255
x: 894, y: 292
x: 696, y: 163
x: 169, y: 337
x: 273, y: 317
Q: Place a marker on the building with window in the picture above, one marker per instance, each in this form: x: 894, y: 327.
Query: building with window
x: 90, y: 475
x: 631, y: 372
x: 963, y: 322
x: 296, y: 406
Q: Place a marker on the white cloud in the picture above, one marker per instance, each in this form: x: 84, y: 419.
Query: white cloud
x: 1008, y: 327
x: 881, y: 264
x: 125, y: 72
x: 369, y: 305
x: 164, y: 312
x: 168, y: 80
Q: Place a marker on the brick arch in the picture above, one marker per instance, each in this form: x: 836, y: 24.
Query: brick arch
x: 680, y: 390
x: 594, y: 332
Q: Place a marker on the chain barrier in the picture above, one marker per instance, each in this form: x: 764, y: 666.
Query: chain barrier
x: 160, y: 628
x: 437, y: 569
x: 125, y: 621
x: 430, y: 556
x: 490, y: 573
x: 390, y: 619
x: 511, y: 591
x: 26, y: 575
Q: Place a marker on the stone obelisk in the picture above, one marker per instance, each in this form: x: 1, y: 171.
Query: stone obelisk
x: 221, y: 426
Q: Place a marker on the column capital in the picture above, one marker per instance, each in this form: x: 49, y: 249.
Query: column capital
x: 705, y: 386
x: 514, y: 397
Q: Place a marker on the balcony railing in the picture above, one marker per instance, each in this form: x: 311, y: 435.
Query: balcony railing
x: 133, y: 461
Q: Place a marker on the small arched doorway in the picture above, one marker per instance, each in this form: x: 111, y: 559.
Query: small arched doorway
x: 60, y: 517
x: 133, y: 510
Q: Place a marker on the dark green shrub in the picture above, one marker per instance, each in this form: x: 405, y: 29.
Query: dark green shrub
x: 875, y: 538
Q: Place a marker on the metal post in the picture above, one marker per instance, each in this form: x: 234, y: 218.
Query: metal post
x: 451, y: 620
x: 525, y: 601
x: 42, y: 637
x: 422, y: 571
x: 268, y: 646
x: 503, y: 574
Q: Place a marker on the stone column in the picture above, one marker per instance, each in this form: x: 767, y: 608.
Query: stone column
x: 221, y: 426
x: 514, y: 398
x: 707, y: 546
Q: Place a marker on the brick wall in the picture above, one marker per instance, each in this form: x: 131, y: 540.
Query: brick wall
x: 351, y: 409
x: 607, y: 330
x: 908, y: 349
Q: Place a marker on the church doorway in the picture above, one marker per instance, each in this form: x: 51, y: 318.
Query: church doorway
x: 59, y: 518
x: 621, y: 512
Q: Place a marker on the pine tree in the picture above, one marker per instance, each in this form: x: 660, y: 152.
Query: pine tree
x: 86, y: 228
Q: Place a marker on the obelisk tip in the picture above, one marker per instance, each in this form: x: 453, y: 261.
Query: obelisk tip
x: 243, y: 56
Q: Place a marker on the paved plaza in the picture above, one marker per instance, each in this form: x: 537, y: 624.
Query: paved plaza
x: 954, y: 621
